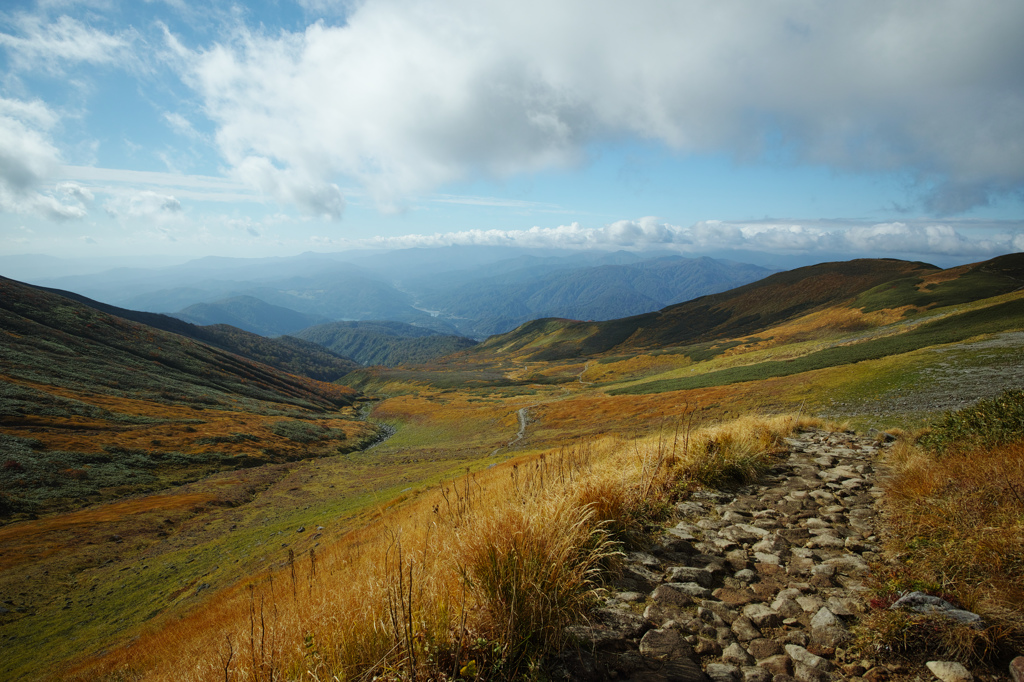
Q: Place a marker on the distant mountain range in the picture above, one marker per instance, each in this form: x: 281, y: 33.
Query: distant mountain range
x: 468, y: 291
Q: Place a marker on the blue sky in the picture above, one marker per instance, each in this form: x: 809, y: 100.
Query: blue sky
x: 805, y: 129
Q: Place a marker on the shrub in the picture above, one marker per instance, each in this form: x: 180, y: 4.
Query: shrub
x: 985, y: 424
x: 533, y: 570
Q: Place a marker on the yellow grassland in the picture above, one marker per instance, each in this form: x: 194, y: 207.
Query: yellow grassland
x: 485, y: 569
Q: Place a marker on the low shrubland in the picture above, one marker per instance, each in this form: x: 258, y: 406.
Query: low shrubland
x: 477, y: 579
x: 956, y: 530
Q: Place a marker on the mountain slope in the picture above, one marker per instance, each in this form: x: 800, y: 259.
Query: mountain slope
x: 251, y: 314
x: 55, y: 339
x: 287, y: 354
x: 740, y: 311
x: 384, y: 343
x: 93, y: 406
x: 497, y: 304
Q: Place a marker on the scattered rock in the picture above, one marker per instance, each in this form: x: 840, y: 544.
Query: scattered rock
x: 752, y: 585
x: 827, y: 630
x: 935, y: 606
x: 949, y: 671
x: 664, y: 643
x: 722, y: 672
x: 737, y: 655
x: 1017, y: 669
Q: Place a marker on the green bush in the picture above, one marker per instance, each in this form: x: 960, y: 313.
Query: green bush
x: 985, y: 424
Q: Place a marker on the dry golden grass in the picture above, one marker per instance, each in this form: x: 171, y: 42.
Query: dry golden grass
x: 823, y: 324
x: 475, y: 580
x: 955, y: 529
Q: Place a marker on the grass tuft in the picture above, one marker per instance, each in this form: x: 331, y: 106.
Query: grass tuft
x: 955, y: 530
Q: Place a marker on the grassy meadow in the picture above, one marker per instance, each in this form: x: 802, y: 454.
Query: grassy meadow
x: 256, y: 535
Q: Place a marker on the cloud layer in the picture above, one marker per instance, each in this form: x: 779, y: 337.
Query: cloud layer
x: 899, y: 239
x: 410, y: 95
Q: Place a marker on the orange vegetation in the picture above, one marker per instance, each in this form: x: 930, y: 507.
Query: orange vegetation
x: 414, y: 594
x: 30, y: 541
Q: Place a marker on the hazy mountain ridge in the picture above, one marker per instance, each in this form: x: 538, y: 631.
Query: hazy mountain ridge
x: 285, y: 353
x: 250, y: 314
x: 470, y: 291
x: 599, y: 293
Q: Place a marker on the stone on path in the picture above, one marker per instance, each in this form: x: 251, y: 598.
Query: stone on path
x: 949, y: 671
x: 827, y: 630
x: 1017, y: 669
x: 758, y: 582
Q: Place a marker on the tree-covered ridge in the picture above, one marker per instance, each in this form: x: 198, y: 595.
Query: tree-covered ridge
x: 384, y: 343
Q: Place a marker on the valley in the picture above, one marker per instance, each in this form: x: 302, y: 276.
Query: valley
x: 150, y: 477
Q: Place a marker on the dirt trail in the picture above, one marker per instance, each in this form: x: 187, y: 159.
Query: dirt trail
x: 524, y: 418
x: 761, y: 584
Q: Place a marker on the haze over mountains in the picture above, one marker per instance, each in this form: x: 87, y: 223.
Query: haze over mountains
x: 468, y: 291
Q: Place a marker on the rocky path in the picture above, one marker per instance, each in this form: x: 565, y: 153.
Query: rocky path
x: 757, y: 585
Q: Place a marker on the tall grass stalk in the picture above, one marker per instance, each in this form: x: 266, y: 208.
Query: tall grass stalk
x: 477, y: 579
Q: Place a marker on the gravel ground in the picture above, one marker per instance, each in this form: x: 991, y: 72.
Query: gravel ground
x: 957, y: 377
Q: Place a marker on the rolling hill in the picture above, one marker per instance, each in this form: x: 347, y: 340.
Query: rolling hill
x: 741, y: 311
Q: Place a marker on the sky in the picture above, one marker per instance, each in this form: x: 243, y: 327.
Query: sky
x: 882, y: 128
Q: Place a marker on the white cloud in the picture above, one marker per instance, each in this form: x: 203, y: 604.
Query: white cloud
x: 51, y: 44
x: 75, y: 192
x: 192, y: 187
x: 181, y: 125
x: 311, y: 195
x: 409, y: 94
x: 144, y: 204
x: 899, y: 239
x: 29, y: 160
